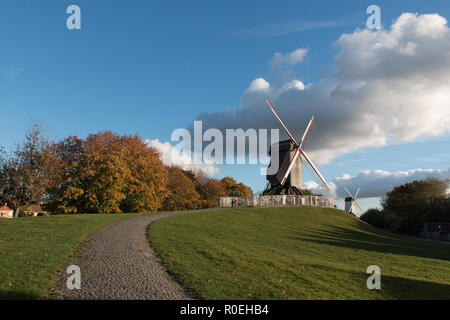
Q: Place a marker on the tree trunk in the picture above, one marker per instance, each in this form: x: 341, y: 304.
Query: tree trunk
x: 16, y: 212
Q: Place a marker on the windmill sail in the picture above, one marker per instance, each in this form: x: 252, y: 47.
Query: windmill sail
x: 288, y: 162
x: 352, y: 200
x: 314, y: 168
x: 281, y: 121
x: 283, y: 171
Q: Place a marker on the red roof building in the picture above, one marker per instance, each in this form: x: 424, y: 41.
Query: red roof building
x: 36, y: 210
x: 6, y: 212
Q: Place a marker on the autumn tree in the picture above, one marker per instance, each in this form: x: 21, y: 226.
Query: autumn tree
x: 211, y: 190
x: 146, y: 183
x: 182, y: 194
x: 243, y: 190
x: 107, y: 173
x: 26, y: 172
x: 229, y: 184
x: 235, y: 189
x: 66, y: 188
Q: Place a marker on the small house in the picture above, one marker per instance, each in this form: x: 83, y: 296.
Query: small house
x: 6, y: 212
x: 36, y: 210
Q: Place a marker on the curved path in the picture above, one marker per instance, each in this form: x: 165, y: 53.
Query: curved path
x: 117, y: 262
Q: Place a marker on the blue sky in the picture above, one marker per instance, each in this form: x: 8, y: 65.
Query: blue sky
x: 149, y: 67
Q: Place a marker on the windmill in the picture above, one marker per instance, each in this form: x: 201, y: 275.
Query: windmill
x: 288, y: 179
x: 351, y: 201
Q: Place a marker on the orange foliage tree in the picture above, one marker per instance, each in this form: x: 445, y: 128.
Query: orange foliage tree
x: 182, y: 194
x: 235, y: 189
x: 107, y: 173
x: 211, y: 190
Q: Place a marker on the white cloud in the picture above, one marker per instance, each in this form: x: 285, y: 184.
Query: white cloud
x: 376, y: 183
x: 258, y: 85
x: 291, y: 58
x: 294, y: 84
x: 320, y: 188
x: 286, y: 27
x: 389, y: 86
x: 172, y: 157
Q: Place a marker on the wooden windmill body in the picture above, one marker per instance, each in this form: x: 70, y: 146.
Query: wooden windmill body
x: 288, y: 179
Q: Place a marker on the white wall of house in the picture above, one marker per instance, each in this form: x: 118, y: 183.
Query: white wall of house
x: 6, y: 214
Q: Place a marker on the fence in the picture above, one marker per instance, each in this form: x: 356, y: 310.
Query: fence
x: 278, y: 200
x: 436, y: 231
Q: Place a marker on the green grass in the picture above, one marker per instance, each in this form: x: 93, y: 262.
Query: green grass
x: 296, y: 253
x: 34, y: 249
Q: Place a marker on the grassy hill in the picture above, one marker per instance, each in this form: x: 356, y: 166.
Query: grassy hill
x: 296, y: 253
x: 34, y: 249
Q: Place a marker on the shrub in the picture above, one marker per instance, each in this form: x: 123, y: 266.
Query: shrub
x: 372, y: 217
x: 390, y: 220
x: 383, y: 219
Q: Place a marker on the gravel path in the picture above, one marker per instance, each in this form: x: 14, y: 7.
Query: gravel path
x: 117, y: 262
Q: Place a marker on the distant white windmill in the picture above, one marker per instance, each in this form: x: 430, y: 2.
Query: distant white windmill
x: 351, y: 201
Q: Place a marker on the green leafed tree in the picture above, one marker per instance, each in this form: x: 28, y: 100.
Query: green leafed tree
x: 26, y: 172
x: 417, y: 202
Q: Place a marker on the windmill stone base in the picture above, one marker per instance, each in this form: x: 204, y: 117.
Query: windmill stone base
x: 293, y: 184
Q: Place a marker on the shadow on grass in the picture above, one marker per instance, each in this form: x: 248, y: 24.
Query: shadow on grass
x: 401, y: 288
x: 17, y: 295
x: 396, y: 287
x: 376, y: 240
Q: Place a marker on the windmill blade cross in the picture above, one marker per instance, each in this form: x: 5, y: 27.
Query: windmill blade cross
x: 297, y: 151
x: 357, y: 193
x: 348, y: 192
x: 306, y: 131
x: 291, y: 164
